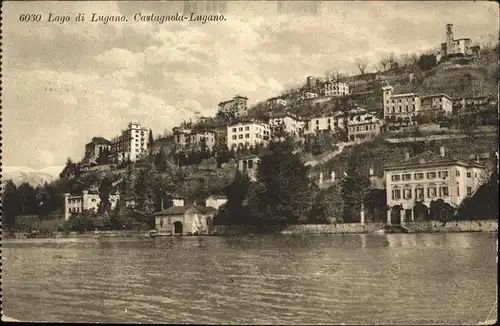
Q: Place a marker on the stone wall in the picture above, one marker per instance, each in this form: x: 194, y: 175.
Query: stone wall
x: 298, y: 229
x: 454, y: 226
x: 346, y: 228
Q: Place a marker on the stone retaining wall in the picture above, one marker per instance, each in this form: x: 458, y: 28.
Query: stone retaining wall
x: 298, y: 229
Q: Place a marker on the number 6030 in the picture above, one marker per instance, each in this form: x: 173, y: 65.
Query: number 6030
x: 30, y: 17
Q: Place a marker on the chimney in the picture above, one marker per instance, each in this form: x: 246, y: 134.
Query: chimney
x: 407, y: 156
x: 442, y: 151
x: 371, y: 172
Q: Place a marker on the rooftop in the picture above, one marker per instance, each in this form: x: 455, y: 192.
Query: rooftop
x: 431, y: 158
x: 180, y: 210
x: 100, y: 140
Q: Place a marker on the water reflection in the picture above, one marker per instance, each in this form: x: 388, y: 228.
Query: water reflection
x: 440, y: 278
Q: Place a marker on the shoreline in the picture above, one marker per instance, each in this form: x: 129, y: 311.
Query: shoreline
x: 311, y: 229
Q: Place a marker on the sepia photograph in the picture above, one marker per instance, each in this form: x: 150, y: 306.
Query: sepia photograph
x: 250, y: 162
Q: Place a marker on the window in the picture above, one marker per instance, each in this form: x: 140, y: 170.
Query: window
x: 317, y: 122
x: 234, y: 137
x: 250, y: 164
x: 419, y: 193
x: 395, y: 177
x: 475, y: 175
x: 431, y: 175
x: 240, y: 136
x: 396, y: 194
x: 469, y: 175
x: 431, y: 192
x: 247, y: 128
x: 444, y: 191
x: 406, y: 176
x: 458, y: 191
x: 419, y: 176
x: 240, y: 129
x: 469, y: 191
x: 443, y: 174
x: 457, y: 173
x: 407, y: 193
x: 234, y: 129
x: 247, y: 135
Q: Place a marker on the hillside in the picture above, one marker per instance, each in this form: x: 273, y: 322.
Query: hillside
x: 378, y: 153
x: 459, y: 77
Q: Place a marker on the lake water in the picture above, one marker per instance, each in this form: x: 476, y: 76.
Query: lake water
x: 351, y: 279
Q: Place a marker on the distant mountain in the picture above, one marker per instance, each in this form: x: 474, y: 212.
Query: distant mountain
x: 21, y: 174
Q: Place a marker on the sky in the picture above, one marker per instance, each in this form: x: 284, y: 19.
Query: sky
x: 63, y: 84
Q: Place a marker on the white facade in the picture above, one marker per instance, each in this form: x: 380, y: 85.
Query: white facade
x: 331, y: 122
x: 131, y: 145
x: 85, y: 202
x: 404, y: 106
x: 215, y: 201
x: 276, y: 101
x: 309, y: 95
x: 247, y: 134
x: 331, y: 88
x: 291, y: 124
x: 424, y: 180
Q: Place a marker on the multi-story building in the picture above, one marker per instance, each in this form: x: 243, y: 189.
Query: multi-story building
x: 276, y: 102
x: 437, y: 104
x: 461, y: 46
x: 308, y: 95
x: 131, y: 145
x: 400, y: 106
x: 332, y: 88
x: 188, y: 140
x: 85, y: 202
x: 96, y: 147
x: 249, y: 166
x: 476, y: 102
x: 248, y: 134
x: 328, y: 122
x: 290, y: 123
x: 428, y: 177
x: 237, y: 106
x: 362, y: 127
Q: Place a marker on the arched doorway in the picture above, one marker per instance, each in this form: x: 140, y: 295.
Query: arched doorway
x: 177, y: 227
x: 396, y: 215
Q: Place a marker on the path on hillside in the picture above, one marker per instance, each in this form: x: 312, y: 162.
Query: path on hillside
x: 329, y: 156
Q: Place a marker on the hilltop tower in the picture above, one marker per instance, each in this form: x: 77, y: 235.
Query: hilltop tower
x: 386, y: 97
x: 449, y: 38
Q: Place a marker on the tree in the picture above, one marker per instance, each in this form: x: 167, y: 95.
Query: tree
x: 361, y: 63
x: 144, y: 192
x: 441, y: 211
x: 286, y: 196
x: 11, y: 204
x: 328, y: 206
x: 384, y: 63
x: 104, y: 193
x: 150, y: 139
x: 160, y: 160
x: 355, y: 186
x: 483, y: 204
x: 427, y: 61
x: 28, y: 198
